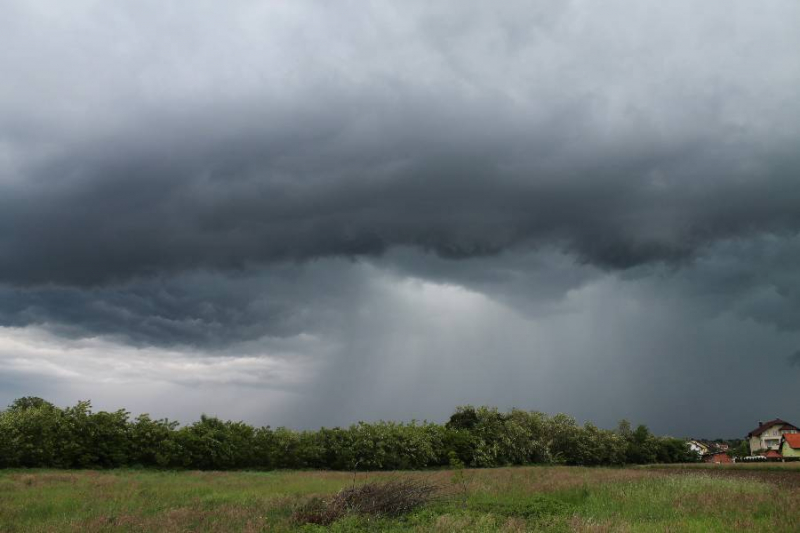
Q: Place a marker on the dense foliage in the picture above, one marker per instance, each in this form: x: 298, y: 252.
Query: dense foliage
x: 36, y: 433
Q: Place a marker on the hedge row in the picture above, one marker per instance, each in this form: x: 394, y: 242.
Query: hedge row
x: 36, y: 433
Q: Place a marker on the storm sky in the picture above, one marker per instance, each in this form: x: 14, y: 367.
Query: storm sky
x: 313, y: 213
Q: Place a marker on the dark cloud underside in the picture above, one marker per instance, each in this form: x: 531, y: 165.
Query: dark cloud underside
x: 620, y: 159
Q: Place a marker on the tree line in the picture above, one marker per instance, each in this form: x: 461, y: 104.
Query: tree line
x: 36, y: 433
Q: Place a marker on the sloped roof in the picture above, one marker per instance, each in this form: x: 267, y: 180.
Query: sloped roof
x: 773, y: 453
x: 793, y: 440
x: 766, y: 425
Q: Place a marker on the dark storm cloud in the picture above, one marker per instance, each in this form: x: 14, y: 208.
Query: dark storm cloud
x: 216, y: 311
x: 361, y: 158
x: 199, y: 309
x: 152, y: 312
x: 88, y: 219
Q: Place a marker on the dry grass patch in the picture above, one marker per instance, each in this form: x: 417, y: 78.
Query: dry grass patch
x: 377, y: 499
x: 219, y: 520
x: 579, y: 524
x: 538, y: 480
x: 45, y: 478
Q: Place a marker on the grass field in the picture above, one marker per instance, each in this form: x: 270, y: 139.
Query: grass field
x: 697, y: 498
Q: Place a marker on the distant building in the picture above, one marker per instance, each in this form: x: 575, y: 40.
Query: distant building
x: 717, y: 458
x: 767, y: 436
x: 790, y: 446
x: 697, y: 447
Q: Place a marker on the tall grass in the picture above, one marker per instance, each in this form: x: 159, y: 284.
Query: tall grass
x: 508, y: 499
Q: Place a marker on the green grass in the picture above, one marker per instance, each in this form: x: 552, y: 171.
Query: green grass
x: 792, y: 466
x: 558, y: 499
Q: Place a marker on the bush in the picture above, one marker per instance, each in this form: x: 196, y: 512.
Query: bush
x: 317, y: 511
x: 384, y: 499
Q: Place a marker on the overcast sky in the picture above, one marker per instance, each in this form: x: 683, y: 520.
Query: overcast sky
x: 313, y: 213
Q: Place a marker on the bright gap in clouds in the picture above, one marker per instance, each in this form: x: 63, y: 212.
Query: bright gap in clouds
x: 175, y: 383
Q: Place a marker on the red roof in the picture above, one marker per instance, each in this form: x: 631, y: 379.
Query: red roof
x: 766, y: 425
x: 772, y: 453
x: 793, y: 440
x: 717, y: 457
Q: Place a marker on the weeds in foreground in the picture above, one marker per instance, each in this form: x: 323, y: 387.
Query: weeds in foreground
x: 378, y: 499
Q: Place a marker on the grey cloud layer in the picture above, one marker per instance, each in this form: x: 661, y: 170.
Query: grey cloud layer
x: 201, y: 309
x: 461, y: 132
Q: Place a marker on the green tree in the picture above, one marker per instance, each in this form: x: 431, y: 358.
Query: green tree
x: 152, y: 442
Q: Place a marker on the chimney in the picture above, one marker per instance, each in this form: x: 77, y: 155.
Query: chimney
x: 760, y: 423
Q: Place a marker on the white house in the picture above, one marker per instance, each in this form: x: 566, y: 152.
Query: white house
x: 768, y: 435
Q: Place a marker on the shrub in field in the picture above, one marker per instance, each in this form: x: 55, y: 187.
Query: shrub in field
x: 318, y: 511
x: 389, y: 498
x: 381, y: 499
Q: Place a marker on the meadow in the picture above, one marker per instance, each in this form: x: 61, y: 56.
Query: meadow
x: 698, y: 498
